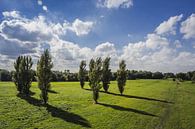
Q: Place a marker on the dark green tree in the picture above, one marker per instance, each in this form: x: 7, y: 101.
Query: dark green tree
x: 5, y: 75
x: 121, y: 76
x: 82, y: 73
x: 91, y: 67
x: 26, y: 73
x: 95, y: 75
x: 106, y: 74
x: 193, y: 78
x: 17, y: 74
x: 44, y: 74
x: 22, y: 76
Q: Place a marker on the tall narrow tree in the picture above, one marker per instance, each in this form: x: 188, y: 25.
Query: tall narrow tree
x: 82, y: 73
x: 193, y: 78
x: 106, y: 74
x: 44, y: 74
x: 17, y: 74
x: 27, y: 74
x: 95, y: 78
x: 121, y: 76
x: 22, y: 75
x: 91, y: 67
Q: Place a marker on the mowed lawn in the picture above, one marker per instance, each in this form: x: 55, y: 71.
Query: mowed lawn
x: 146, y: 104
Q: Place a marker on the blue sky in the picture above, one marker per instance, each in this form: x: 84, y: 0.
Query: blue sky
x: 121, y: 29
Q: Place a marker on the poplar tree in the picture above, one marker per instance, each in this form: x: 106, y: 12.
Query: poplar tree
x: 22, y: 76
x: 44, y: 74
x: 121, y: 76
x: 95, y: 74
x: 91, y: 67
x: 106, y: 74
x: 17, y: 74
x: 27, y: 74
x: 193, y: 78
x: 82, y: 73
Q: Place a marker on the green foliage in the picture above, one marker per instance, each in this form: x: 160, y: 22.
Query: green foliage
x: 23, y: 74
x: 106, y: 74
x: 193, y: 78
x: 44, y: 74
x: 5, y: 75
x: 91, y: 67
x: 157, y: 75
x: 95, y: 74
x: 181, y: 76
x: 17, y: 74
x: 82, y: 73
x: 121, y: 76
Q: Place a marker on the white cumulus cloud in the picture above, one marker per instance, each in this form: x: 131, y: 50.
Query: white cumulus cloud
x: 169, y: 26
x: 45, y: 8
x: 188, y: 27
x: 14, y: 14
x: 40, y: 2
x: 115, y: 3
x: 81, y: 27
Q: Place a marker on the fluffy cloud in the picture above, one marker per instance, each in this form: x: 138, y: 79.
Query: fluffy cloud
x: 155, y: 41
x: 115, y: 3
x: 169, y: 26
x: 26, y: 30
x: 45, y: 8
x: 13, y: 48
x: 105, y: 49
x: 81, y: 27
x: 177, y: 44
x: 14, y: 14
x: 40, y: 2
x: 156, y: 54
x: 38, y: 28
x: 21, y: 36
x: 139, y: 56
x: 188, y: 27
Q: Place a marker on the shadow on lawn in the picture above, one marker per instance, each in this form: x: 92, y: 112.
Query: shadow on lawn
x: 52, y: 91
x: 139, y: 97
x: 127, y: 109
x: 136, y: 97
x: 57, y: 112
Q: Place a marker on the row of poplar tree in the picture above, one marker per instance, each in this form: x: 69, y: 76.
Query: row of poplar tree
x: 99, y: 71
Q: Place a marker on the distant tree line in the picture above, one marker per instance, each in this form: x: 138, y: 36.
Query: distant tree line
x: 66, y: 75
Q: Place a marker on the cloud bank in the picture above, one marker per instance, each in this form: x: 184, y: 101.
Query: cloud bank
x: 23, y: 36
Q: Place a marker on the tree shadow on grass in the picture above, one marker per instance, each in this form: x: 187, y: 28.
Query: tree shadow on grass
x: 87, y: 89
x: 52, y: 91
x: 30, y: 100
x: 67, y: 116
x: 135, y: 97
x: 57, y: 112
x: 127, y: 109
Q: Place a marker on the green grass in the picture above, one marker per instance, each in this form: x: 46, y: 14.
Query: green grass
x: 146, y: 104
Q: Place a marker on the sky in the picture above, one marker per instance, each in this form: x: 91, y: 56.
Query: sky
x: 157, y: 35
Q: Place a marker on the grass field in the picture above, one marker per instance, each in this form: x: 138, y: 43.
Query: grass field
x: 146, y: 104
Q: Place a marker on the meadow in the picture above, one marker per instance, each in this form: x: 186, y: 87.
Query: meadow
x: 146, y: 104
